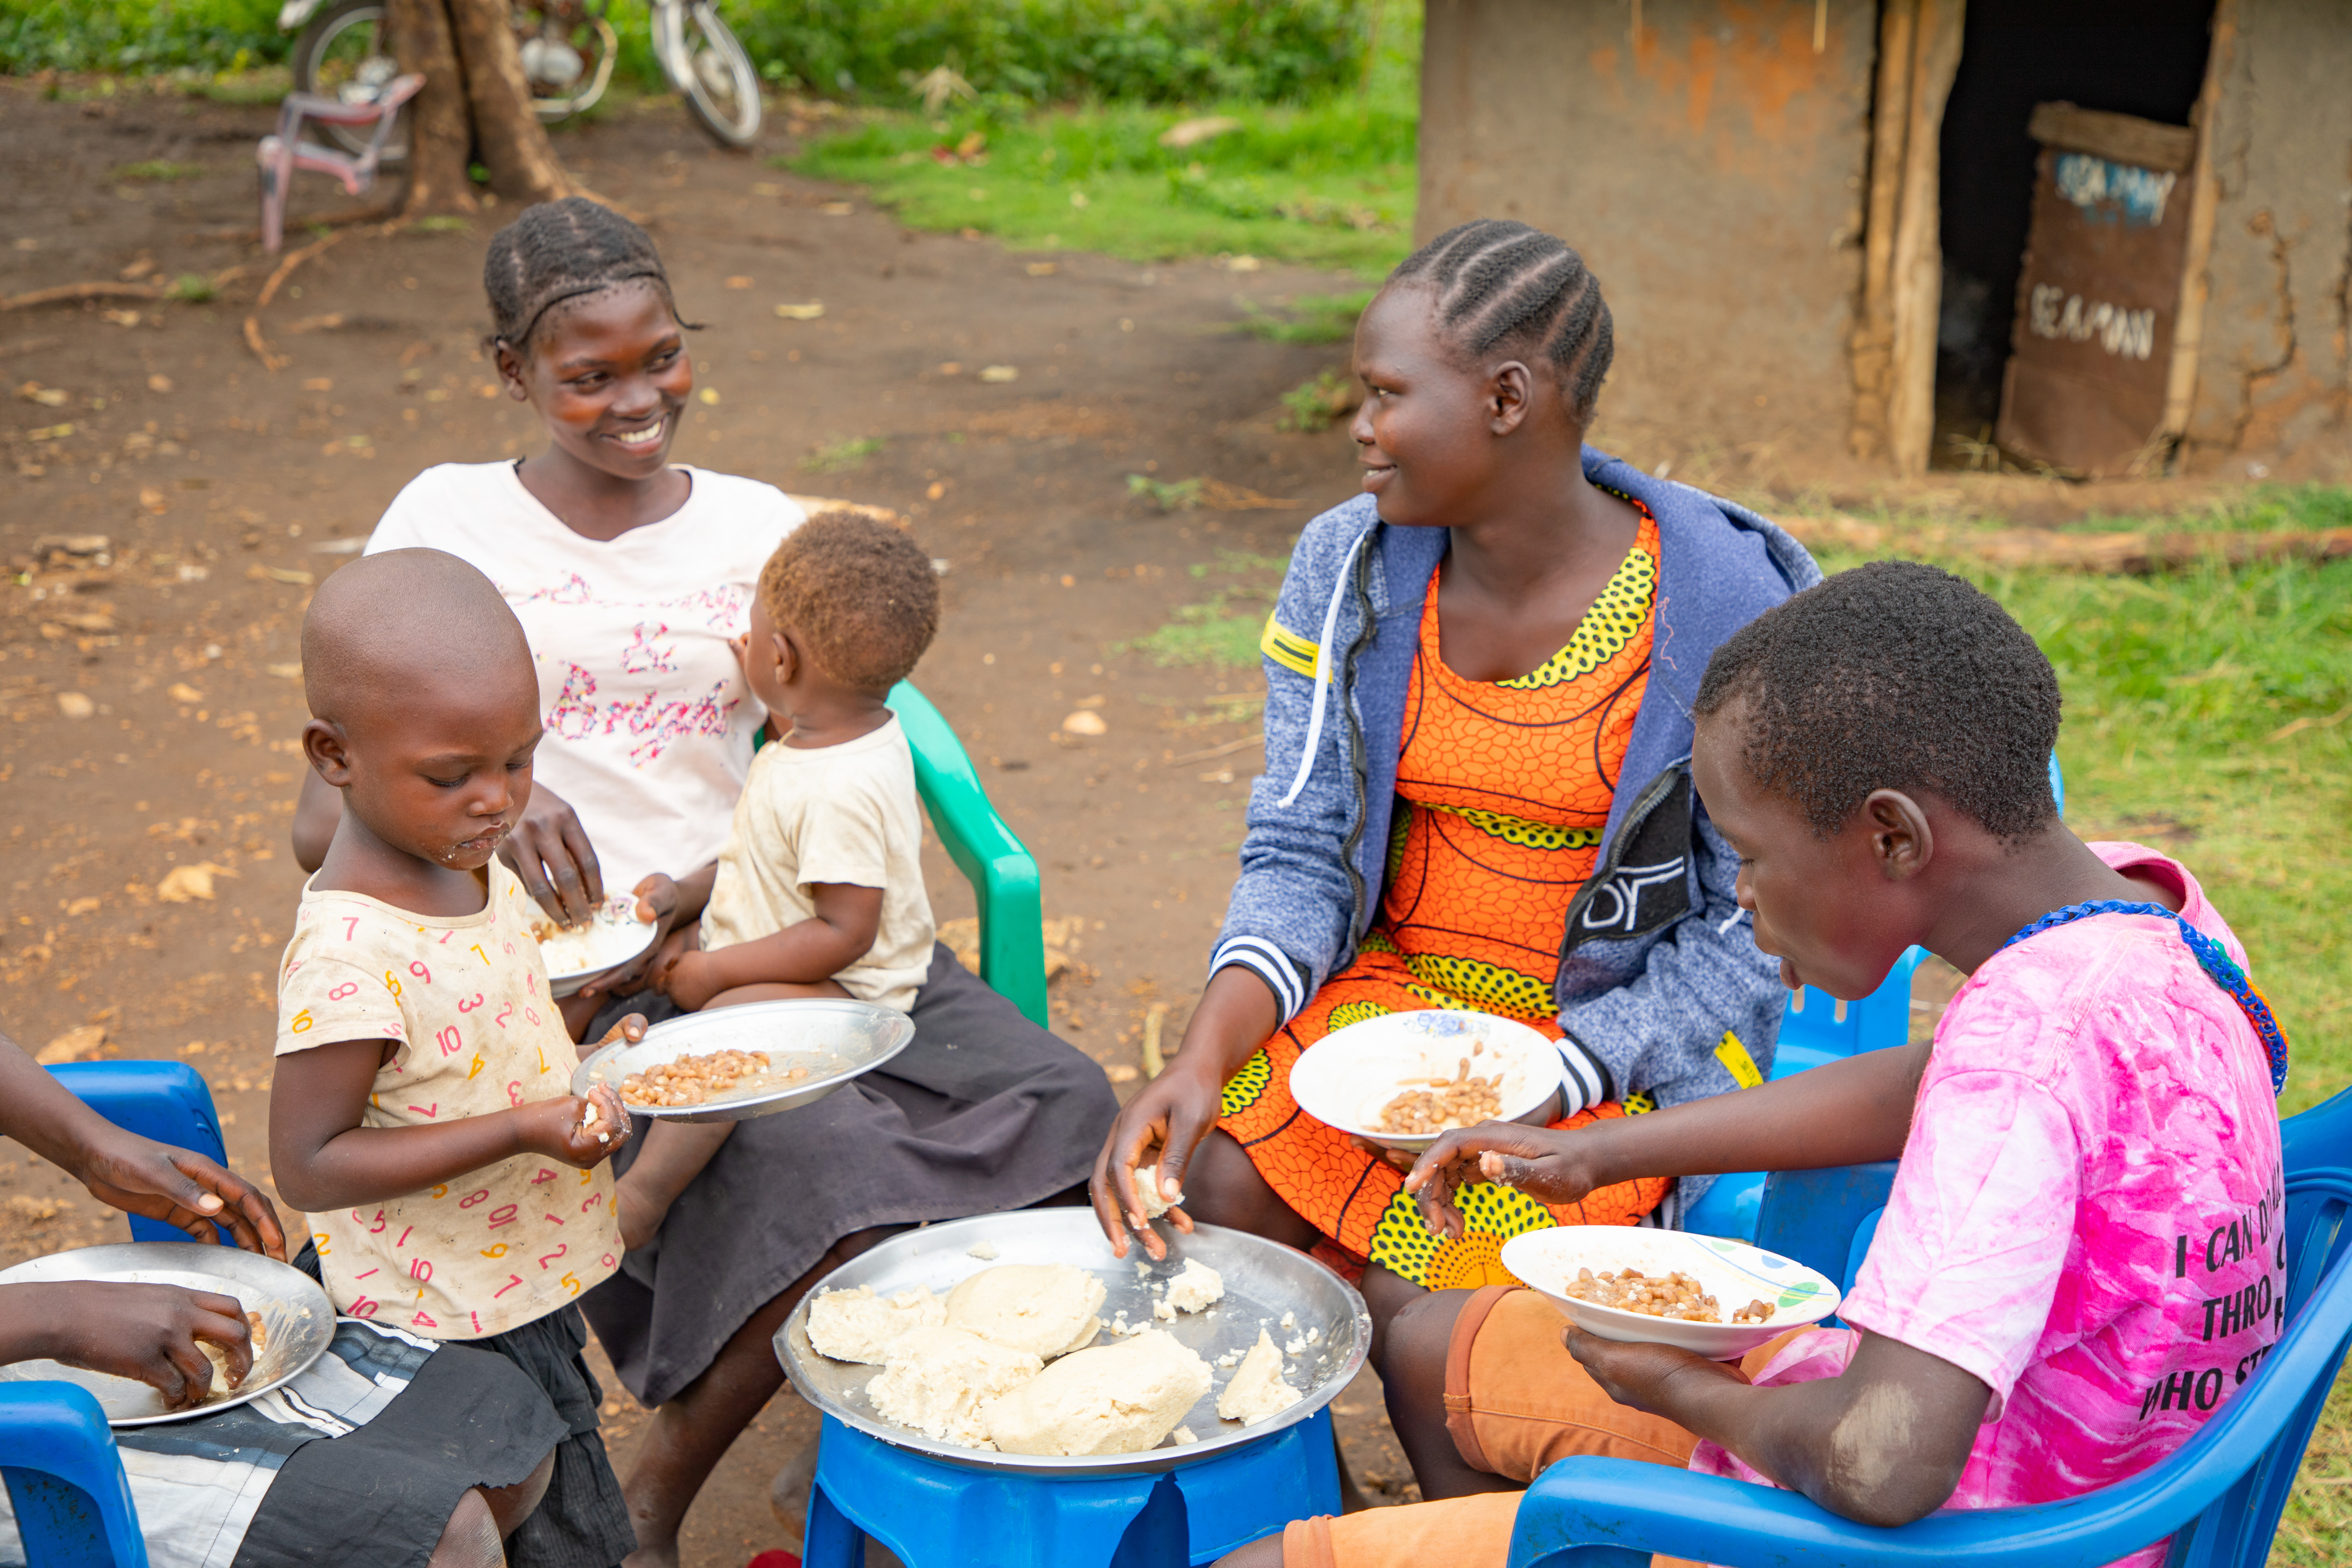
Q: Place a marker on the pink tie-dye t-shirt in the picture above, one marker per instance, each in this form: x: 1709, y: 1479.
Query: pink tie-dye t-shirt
x: 2086, y: 1215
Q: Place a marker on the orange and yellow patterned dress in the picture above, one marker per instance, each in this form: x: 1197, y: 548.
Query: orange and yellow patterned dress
x: 1503, y: 790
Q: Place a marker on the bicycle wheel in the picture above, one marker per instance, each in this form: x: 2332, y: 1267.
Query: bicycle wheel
x: 345, y: 55
x: 708, y: 67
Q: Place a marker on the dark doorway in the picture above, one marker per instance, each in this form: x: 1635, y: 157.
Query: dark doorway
x: 2144, y: 58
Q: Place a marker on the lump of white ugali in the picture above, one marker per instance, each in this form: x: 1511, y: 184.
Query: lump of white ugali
x: 858, y: 1325
x: 1257, y: 1391
x: 1117, y: 1399
x: 1147, y: 1190
x: 1045, y: 1308
x: 1197, y: 1289
x: 938, y: 1379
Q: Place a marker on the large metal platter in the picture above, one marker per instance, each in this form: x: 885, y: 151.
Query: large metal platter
x: 834, y: 1039
x: 1263, y: 1280
x: 298, y: 1321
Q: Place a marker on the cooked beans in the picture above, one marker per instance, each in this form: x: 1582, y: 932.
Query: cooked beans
x: 695, y: 1081
x: 1673, y: 1295
x: 1436, y: 1104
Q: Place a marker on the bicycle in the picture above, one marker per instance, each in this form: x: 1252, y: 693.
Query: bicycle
x: 568, y: 50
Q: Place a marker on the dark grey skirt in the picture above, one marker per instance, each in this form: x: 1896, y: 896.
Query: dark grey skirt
x: 983, y: 1112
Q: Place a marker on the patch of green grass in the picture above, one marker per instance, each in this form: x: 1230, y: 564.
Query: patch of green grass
x: 1329, y: 183
x: 440, y: 223
x: 1308, y: 319
x: 191, y: 288
x: 1312, y: 405
x: 2209, y: 714
x: 840, y: 455
x: 1177, y: 495
x: 159, y: 169
x: 1221, y: 632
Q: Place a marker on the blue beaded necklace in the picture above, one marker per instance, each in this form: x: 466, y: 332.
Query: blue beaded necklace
x: 2211, y: 957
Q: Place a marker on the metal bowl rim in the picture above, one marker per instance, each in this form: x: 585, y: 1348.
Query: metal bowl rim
x: 903, y: 1026
x: 307, y: 1292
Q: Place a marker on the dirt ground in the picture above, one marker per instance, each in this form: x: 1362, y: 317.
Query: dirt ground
x: 225, y: 489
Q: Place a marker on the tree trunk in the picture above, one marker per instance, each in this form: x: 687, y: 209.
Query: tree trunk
x: 475, y: 97
x: 522, y: 164
x: 440, y: 129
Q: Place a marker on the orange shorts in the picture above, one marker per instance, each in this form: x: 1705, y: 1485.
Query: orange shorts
x: 1516, y: 1403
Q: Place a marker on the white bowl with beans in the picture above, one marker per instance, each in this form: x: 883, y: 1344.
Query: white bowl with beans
x: 1454, y: 1069
x: 1739, y: 1278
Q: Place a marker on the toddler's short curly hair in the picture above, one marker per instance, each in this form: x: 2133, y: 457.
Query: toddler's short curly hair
x: 1893, y: 676
x: 860, y: 597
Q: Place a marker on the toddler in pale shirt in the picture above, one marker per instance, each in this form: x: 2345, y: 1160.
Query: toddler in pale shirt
x: 819, y: 891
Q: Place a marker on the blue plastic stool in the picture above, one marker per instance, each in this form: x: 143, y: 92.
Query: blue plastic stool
x: 66, y: 1483
x: 167, y: 1101
x: 937, y: 1515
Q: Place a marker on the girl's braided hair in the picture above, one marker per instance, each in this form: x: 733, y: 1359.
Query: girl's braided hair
x: 1501, y: 282
x: 558, y: 251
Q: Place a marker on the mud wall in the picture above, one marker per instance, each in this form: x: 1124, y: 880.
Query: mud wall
x: 1710, y: 170
x: 2274, y: 374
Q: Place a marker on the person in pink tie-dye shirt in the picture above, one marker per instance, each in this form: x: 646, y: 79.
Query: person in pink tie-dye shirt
x: 2081, y: 1258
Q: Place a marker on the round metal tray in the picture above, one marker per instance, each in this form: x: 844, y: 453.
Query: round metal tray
x: 834, y: 1039
x: 298, y: 1321
x: 1263, y: 1280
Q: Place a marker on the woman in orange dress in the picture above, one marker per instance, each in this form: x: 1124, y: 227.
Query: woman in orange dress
x: 1478, y: 791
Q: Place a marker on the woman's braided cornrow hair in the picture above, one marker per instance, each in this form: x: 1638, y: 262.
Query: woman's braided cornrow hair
x: 558, y: 251
x: 1497, y: 281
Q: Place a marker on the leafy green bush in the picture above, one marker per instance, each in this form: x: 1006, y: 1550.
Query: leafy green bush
x: 137, y: 35
x: 1150, y: 51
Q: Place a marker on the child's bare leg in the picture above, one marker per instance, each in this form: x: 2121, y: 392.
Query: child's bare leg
x: 486, y: 1516
x: 1266, y: 1553
x: 674, y: 1153
x: 1412, y: 1380
x: 471, y: 1540
x: 691, y: 1433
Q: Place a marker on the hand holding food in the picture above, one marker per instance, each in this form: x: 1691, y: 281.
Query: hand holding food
x: 580, y: 1130
x: 1551, y: 1166
x: 186, y: 1344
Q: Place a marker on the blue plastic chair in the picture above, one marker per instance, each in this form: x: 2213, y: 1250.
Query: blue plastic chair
x: 933, y: 1514
x: 2217, y: 1497
x: 64, y: 1475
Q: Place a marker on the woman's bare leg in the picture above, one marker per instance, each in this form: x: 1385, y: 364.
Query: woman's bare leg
x: 692, y: 1432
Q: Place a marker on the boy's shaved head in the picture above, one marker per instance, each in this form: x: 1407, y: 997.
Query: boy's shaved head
x: 384, y: 626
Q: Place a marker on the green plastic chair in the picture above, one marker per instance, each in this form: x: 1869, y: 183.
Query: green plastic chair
x: 1002, y: 873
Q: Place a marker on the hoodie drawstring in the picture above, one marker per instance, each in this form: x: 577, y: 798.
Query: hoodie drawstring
x: 1325, y: 655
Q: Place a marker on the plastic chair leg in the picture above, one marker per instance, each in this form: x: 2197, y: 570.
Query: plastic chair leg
x: 65, y: 1479
x: 830, y: 1541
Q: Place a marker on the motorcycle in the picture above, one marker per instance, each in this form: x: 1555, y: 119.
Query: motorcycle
x: 567, y: 48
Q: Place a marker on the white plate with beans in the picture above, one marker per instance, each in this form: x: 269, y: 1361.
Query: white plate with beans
x: 1720, y: 1299
x: 1402, y: 1080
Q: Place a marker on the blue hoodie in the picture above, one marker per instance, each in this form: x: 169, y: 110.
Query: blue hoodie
x: 1660, y: 988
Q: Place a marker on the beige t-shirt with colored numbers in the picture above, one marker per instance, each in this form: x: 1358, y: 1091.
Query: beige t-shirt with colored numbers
x: 465, y: 999
x: 830, y: 814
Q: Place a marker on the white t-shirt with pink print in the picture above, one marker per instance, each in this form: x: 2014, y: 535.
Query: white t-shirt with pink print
x: 2087, y: 1214
x: 649, y: 724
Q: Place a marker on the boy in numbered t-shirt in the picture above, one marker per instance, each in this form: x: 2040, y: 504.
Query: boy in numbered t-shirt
x: 421, y: 1113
